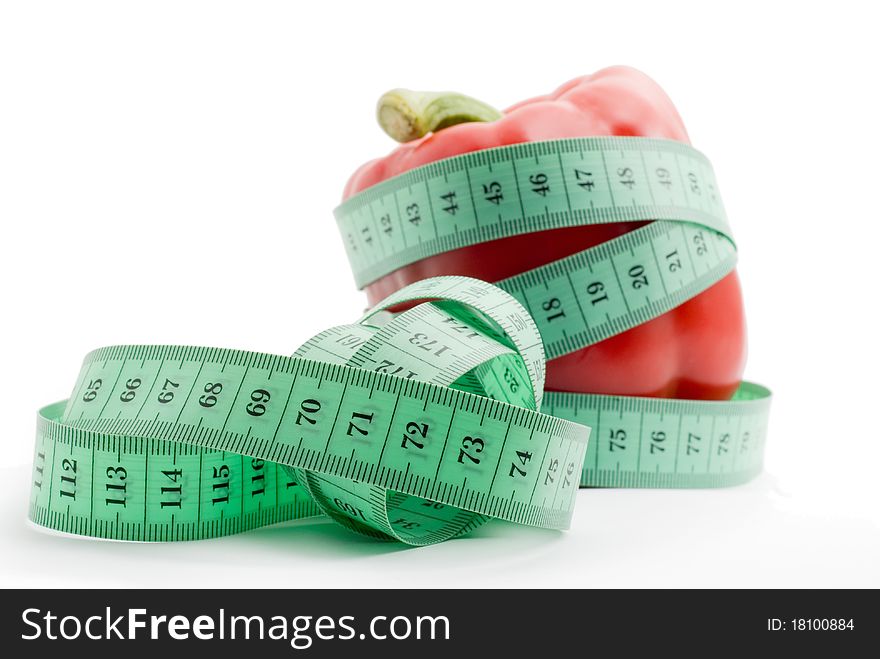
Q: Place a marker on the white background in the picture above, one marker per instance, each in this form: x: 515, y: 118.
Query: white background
x: 167, y: 175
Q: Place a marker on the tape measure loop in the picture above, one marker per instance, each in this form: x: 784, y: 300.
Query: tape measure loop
x: 458, y: 339
x: 420, y: 426
x: 592, y: 295
x: 385, y: 427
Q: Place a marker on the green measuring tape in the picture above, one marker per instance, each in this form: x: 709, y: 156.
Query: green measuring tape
x: 597, y: 293
x: 420, y: 426
x: 417, y: 427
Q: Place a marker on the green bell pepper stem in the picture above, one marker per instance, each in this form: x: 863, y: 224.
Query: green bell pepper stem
x: 407, y: 115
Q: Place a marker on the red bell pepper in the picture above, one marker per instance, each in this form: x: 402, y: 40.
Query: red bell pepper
x: 696, y: 350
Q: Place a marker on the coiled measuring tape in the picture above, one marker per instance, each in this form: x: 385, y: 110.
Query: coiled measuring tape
x: 416, y: 427
x: 597, y: 293
x: 421, y: 426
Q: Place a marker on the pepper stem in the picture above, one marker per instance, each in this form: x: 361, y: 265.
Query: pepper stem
x: 407, y: 115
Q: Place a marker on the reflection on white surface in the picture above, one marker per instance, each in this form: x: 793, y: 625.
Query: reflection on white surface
x: 754, y: 535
